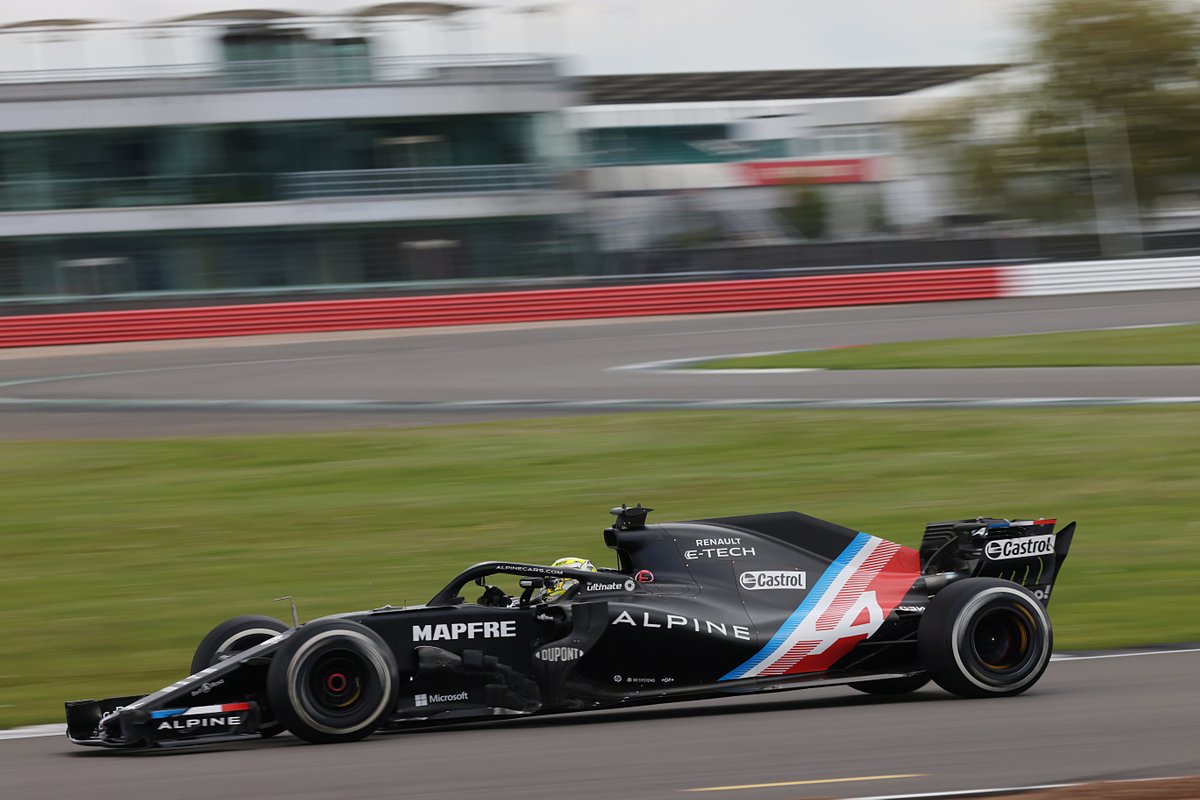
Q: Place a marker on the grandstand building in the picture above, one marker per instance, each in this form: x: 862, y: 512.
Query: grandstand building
x: 263, y: 152
x: 690, y: 157
x: 258, y: 150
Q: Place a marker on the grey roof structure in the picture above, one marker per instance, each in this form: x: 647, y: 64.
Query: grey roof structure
x: 797, y: 84
x: 239, y: 15
x: 53, y: 24
x: 411, y: 9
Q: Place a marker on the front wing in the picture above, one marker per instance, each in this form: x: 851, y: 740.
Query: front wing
x: 107, y: 723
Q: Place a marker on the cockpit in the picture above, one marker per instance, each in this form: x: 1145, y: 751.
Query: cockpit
x: 507, y: 584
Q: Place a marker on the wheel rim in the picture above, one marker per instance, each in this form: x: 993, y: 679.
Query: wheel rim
x: 1002, y: 638
x: 336, y: 681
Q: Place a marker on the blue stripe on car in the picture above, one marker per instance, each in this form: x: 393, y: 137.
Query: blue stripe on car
x: 167, y: 712
x: 804, y: 609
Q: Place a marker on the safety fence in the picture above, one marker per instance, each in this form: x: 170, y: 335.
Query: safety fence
x: 914, y: 286
x: 414, y: 180
x: 245, y: 187
x: 226, y: 75
x: 1083, y: 277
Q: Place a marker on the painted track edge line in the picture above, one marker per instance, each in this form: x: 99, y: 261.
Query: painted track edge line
x: 949, y: 795
x: 811, y: 782
x: 967, y: 792
x: 678, y: 365
x: 1095, y: 656
x: 34, y: 731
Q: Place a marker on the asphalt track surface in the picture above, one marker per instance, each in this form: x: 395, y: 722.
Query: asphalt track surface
x: 1102, y: 719
x: 385, y: 378
x: 1107, y: 718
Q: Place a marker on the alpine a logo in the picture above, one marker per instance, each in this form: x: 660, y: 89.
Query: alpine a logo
x: 555, y: 654
x: 505, y: 629
x: 755, y: 581
x: 1000, y: 549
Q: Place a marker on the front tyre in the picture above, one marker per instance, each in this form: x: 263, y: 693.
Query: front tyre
x: 985, y: 637
x: 232, y: 637
x: 333, y: 681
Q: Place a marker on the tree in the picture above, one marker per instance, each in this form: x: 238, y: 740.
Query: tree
x: 808, y: 213
x: 1131, y: 70
x: 1110, y: 112
x: 876, y: 214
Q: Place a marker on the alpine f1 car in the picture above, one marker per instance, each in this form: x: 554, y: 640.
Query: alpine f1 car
x: 695, y: 609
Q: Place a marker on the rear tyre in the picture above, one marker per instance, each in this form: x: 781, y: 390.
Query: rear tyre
x: 233, y: 636
x: 333, y: 681
x: 892, y: 686
x: 985, y: 637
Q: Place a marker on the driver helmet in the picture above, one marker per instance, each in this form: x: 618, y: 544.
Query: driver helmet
x: 560, y: 588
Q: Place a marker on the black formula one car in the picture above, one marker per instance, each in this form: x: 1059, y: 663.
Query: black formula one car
x: 696, y: 609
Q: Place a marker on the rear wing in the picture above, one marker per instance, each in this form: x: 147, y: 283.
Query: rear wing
x: 1028, y: 552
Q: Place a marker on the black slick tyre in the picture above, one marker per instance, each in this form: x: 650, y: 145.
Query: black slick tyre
x: 333, y: 681
x: 985, y: 637
x: 233, y: 636
x: 892, y: 686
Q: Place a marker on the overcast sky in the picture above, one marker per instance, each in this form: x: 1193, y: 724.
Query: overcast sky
x: 674, y: 35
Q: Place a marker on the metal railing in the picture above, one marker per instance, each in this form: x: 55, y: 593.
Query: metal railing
x: 415, y: 180
x: 157, y: 190
x: 602, y: 153
x: 176, y: 190
x: 322, y: 71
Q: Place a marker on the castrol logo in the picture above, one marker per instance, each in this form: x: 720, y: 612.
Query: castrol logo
x: 1024, y: 547
x: 754, y: 581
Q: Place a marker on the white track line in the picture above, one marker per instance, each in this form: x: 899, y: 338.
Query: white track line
x: 675, y: 364
x: 968, y: 792
x: 749, y: 371
x: 1008, y: 789
x: 678, y: 364
x: 1069, y: 657
x: 34, y: 731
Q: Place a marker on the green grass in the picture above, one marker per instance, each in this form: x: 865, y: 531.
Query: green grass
x: 1164, y: 346
x: 117, y: 556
